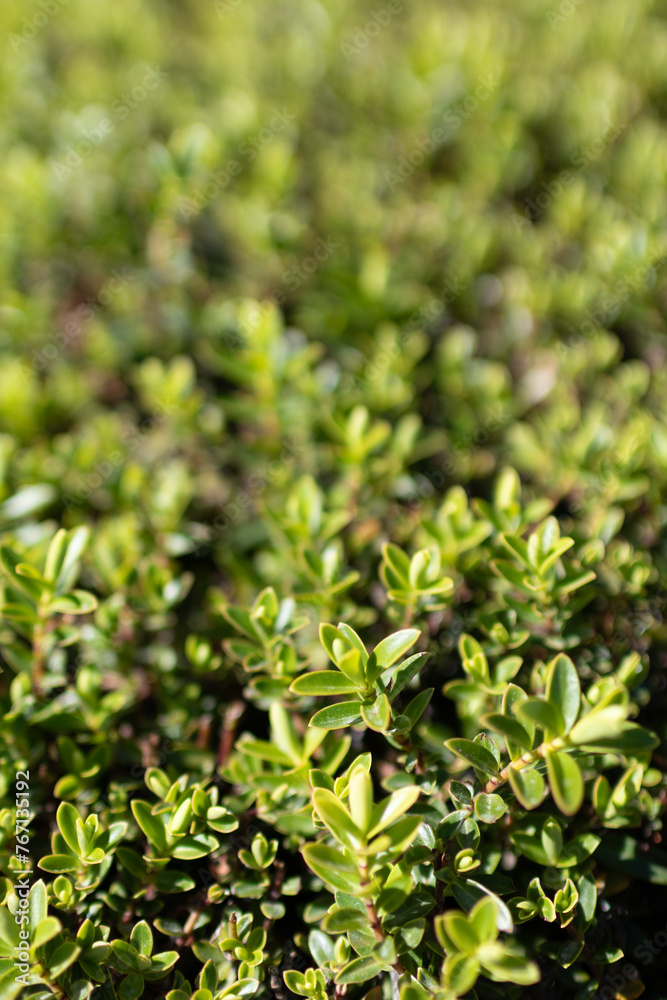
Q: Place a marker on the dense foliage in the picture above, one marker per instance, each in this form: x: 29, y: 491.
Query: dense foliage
x: 333, y: 455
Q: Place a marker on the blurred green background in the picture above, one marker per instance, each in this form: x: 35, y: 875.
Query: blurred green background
x: 457, y: 210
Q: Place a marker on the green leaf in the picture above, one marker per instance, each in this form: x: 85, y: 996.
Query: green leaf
x: 518, y: 548
x: 483, y: 918
x: 475, y: 754
x: 272, y: 910
x: 459, y: 973
x: 403, y: 674
x: 196, y: 845
x: 566, y: 782
x: 468, y: 892
x: 95, y: 856
x: 354, y: 640
x: 128, y: 958
x: 378, y: 715
x: 543, y: 714
x: 503, y: 967
x: 27, y: 500
x: 152, y: 826
x: 418, y: 904
x: 392, y: 808
x: 510, y: 728
x: 66, y: 817
x: 55, y: 555
x: 343, y: 920
x: 320, y: 779
x: 552, y: 840
x: 321, y: 947
x: 296, y: 982
x: 601, y: 724
x: 63, y: 957
x: 513, y: 575
x: 323, y: 682
x: 141, y: 938
x: 77, y: 602
x: 360, y: 797
x: 575, y: 580
x: 415, y: 708
x: 8, y: 563
x: 489, y: 808
x: 507, y: 668
x: 474, y: 659
x: 345, y: 713
x: 332, y: 866
x: 569, y: 953
x: 632, y: 741
x: 360, y: 970
x: 9, y: 929
x: 69, y: 568
x: 336, y: 817
x: 15, y: 612
x: 351, y: 665
x: 265, y: 750
x: 485, y: 740
x: 413, y: 991
x: 38, y: 903
x: 559, y: 549
x: 85, y: 936
x: 566, y: 898
x: 45, y: 931
x: 398, y: 561
x: 256, y: 939
x: 208, y: 977
x: 391, y: 649
x: 181, y: 819
x: 11, y: 988
x: 131, y: 987
x: 460, y: 794
x: 528, y: 786
x: 242, y: 988
x: 173, y: 881
x: 398, y: 836
x: 59, y: 864
x: 563, y: 689
x: 328, y: 635
x: 577, y: 850
x: 513, y: 696
x: 242, y: 621
x: 459, y: 930
x: 160, y: 964
x: 283, y: 732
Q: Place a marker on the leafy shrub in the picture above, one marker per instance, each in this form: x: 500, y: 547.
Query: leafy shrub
x: 363, y: 828
x: 332, y: 522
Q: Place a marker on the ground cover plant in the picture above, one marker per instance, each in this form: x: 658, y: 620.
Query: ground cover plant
x: 333, y: 455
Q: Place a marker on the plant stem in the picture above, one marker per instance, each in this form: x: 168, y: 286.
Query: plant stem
x: 409, y: 747
x: 438, y: 864
x: 586, y: 952
x: 229, y: 722
x: 54, y: 987
x: 529, y: 757
x: 188, y: 936
x: 376, y: 926
x: 274, y: 893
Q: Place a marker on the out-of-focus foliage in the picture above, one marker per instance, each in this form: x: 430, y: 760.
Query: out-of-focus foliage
x: 333, y: 455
